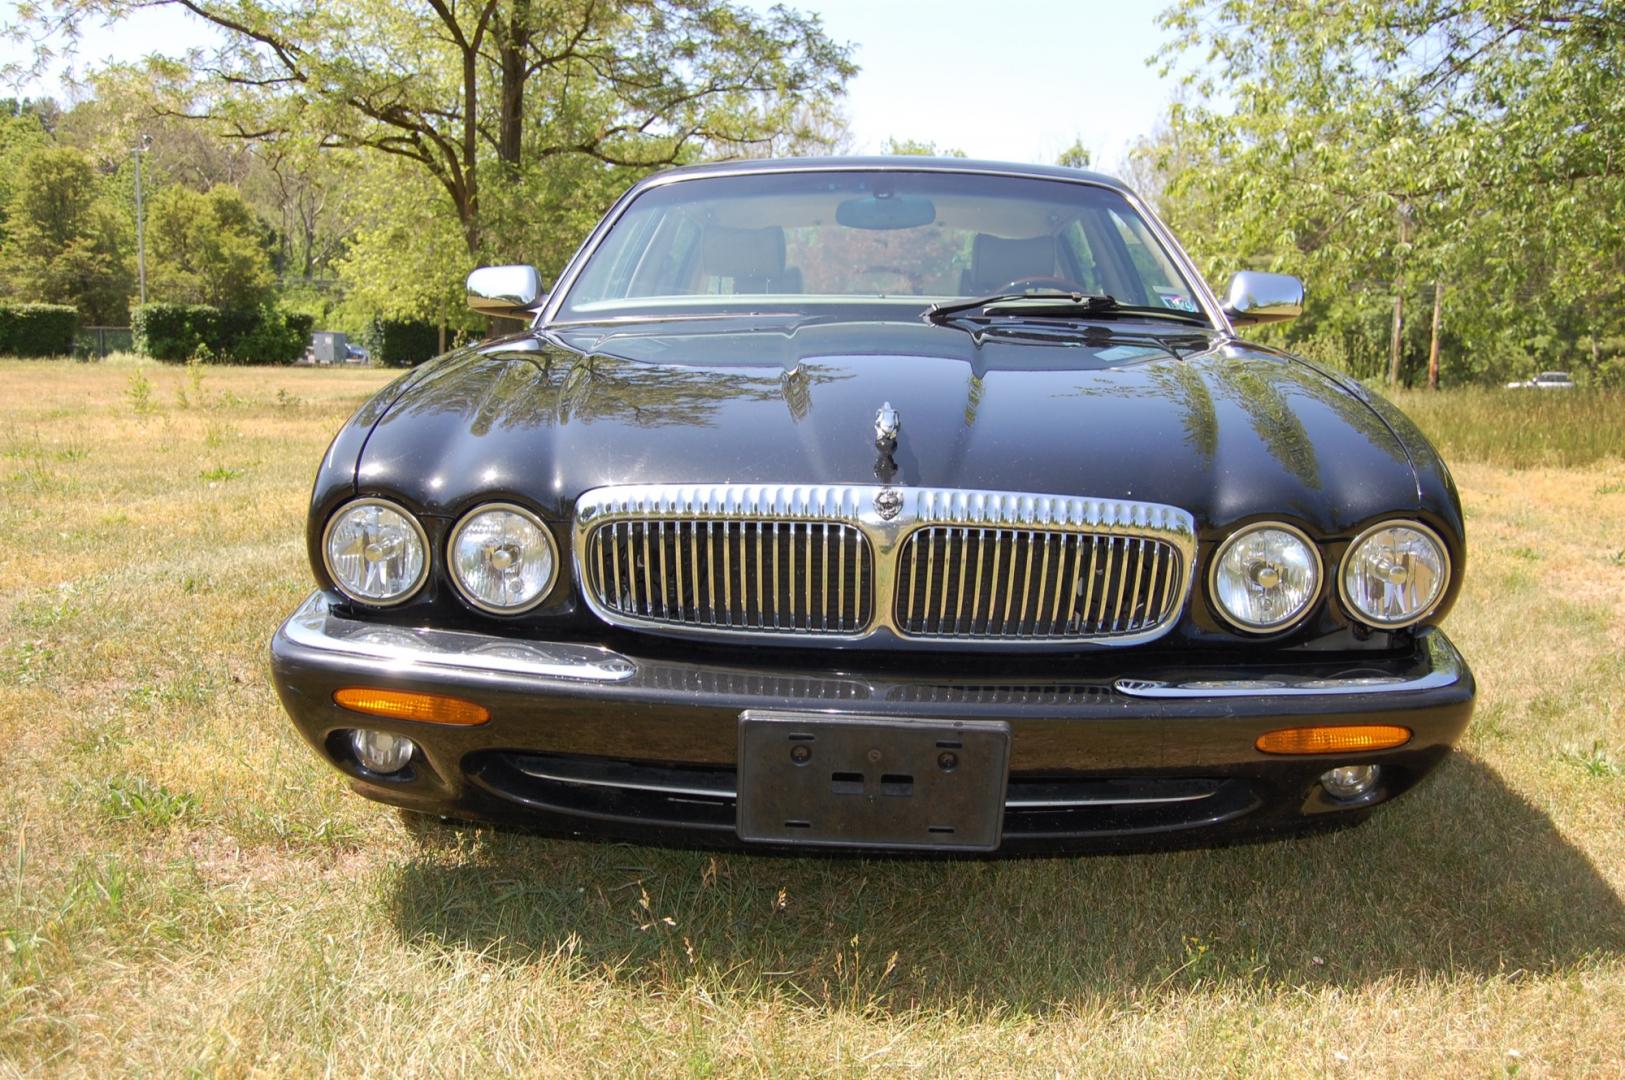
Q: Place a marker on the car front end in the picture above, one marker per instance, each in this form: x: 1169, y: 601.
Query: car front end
x: 784, y: 556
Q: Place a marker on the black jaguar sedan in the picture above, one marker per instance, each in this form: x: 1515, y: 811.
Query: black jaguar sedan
x: 892, y: 503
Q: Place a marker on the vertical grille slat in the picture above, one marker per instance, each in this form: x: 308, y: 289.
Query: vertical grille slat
x: 1034, y: 584
x: 728, y: 575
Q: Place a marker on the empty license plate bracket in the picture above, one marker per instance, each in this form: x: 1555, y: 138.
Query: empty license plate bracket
x: 881, y: 782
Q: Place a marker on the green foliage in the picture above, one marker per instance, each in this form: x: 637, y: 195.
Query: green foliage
x: 178, y: 333
x: 64, y: 244
x: 172, y: 332
x: 277, y: 337
x: 402, y: 342
x: 207, y: 248
x: 483, y: 106
x: 20, y: 134
x: 1377, y: 147
x: 917, y: 148
x: 1075, y: 156
x: 37, y: 329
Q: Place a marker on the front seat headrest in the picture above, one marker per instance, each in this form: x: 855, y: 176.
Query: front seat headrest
x: 753, y: 255
x: 997, y: 261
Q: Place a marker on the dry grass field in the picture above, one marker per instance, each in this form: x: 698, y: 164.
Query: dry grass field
x: 185, y: 889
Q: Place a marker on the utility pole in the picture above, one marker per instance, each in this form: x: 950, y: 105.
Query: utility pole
x: 1433, y: 347
x: 1397, y: 345
x: 140, y: 231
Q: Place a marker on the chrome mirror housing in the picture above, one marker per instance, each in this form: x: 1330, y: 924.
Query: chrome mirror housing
x: 505, y: 291
x: 1257, y: 297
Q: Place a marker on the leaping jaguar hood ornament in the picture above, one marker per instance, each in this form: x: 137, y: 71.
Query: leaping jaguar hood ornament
x: 887, y: 423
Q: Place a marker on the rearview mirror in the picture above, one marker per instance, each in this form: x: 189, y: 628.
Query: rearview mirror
x: 505, y: 291
x: 1257, y: 297
x: 882, y: 211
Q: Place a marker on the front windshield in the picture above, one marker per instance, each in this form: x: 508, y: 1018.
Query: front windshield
x: 813, y: 242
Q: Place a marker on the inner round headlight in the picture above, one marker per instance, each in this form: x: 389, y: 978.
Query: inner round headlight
x: 1394, y: 574
x: 503, y: 559
x: 1266, y: 576
x: 376, y: 552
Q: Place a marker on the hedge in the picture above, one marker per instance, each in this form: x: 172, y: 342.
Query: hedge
x: 178, y: 332
x: 402, y: 342
x: 37, y: 329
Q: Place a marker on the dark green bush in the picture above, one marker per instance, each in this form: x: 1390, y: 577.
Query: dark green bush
x: 173, y: 332
x: 402, y: 342
x: 178, y: 332
x: 37, y: 329
x: 276, y: 337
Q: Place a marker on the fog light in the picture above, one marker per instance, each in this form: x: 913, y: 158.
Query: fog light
x: 1350, y: 781
x: 381, y: 752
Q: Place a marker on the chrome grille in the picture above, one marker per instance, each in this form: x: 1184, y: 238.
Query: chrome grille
x: 864, y: 563
x: 681, y: 565
x: 1031, y: 584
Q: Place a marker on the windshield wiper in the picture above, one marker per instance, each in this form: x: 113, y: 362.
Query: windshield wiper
x: 1058, y: 305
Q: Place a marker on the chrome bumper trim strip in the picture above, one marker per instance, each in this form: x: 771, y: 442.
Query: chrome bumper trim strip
x: 1445, y: 667
x: 402, y: 648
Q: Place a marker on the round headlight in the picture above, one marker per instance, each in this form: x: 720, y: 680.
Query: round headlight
x: 1266, y: 576
x: 376, y: 552
x: 1394, y: 574
x: 503, y: 559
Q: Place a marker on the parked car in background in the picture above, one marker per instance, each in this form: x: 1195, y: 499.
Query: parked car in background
x: 1546, y: 380
x: 896, y: 504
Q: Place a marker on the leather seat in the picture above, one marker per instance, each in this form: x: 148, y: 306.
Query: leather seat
x: 752, y: 258
x: 997, y: 261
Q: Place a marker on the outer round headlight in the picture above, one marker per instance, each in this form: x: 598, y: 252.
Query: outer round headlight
x: 1394, y: 574
x: 1266, y: 576
x: 502, y: 559
x: 375, y: 552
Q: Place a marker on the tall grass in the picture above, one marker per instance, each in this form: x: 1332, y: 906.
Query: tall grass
x: 1520, y: 428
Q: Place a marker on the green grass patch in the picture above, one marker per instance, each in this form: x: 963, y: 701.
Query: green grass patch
x: 1520, y: 428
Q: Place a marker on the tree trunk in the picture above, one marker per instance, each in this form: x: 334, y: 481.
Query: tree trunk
x: 470, y: 209
x: 511, y: 119
x: 1399, y: 336
x: 1433, y: 345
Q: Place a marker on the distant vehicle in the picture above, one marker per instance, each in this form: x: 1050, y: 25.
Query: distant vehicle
x: 1546, y: 380
x: 332, y: 347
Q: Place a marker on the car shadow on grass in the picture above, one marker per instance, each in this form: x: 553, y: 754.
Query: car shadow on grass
x: 1462, y: 876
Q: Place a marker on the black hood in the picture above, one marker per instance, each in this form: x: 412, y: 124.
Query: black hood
x: 1222, y: 429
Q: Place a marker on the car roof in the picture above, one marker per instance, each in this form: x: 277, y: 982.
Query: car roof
x: 895, y: 162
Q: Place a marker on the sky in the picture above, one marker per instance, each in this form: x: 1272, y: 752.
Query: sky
x: 1006, y: 81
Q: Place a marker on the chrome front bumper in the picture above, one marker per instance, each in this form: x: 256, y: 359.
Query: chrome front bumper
x: 1104, y: 750
x: 426, y: 653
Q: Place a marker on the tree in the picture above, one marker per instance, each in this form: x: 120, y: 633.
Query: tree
x: 917, y: 148
x: 476, y: 93
x: 21, y: 133
x: 207, y: 249
x: 1381, y: 147
x: 1075, y: 156
x: 64, y: 243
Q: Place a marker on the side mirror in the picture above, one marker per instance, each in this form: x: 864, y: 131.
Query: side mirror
x: 505, y: 292
x: 1257, y: 297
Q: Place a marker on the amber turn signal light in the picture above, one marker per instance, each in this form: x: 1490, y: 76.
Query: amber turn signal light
x: 405, y: 705
x: 1341, y: 739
